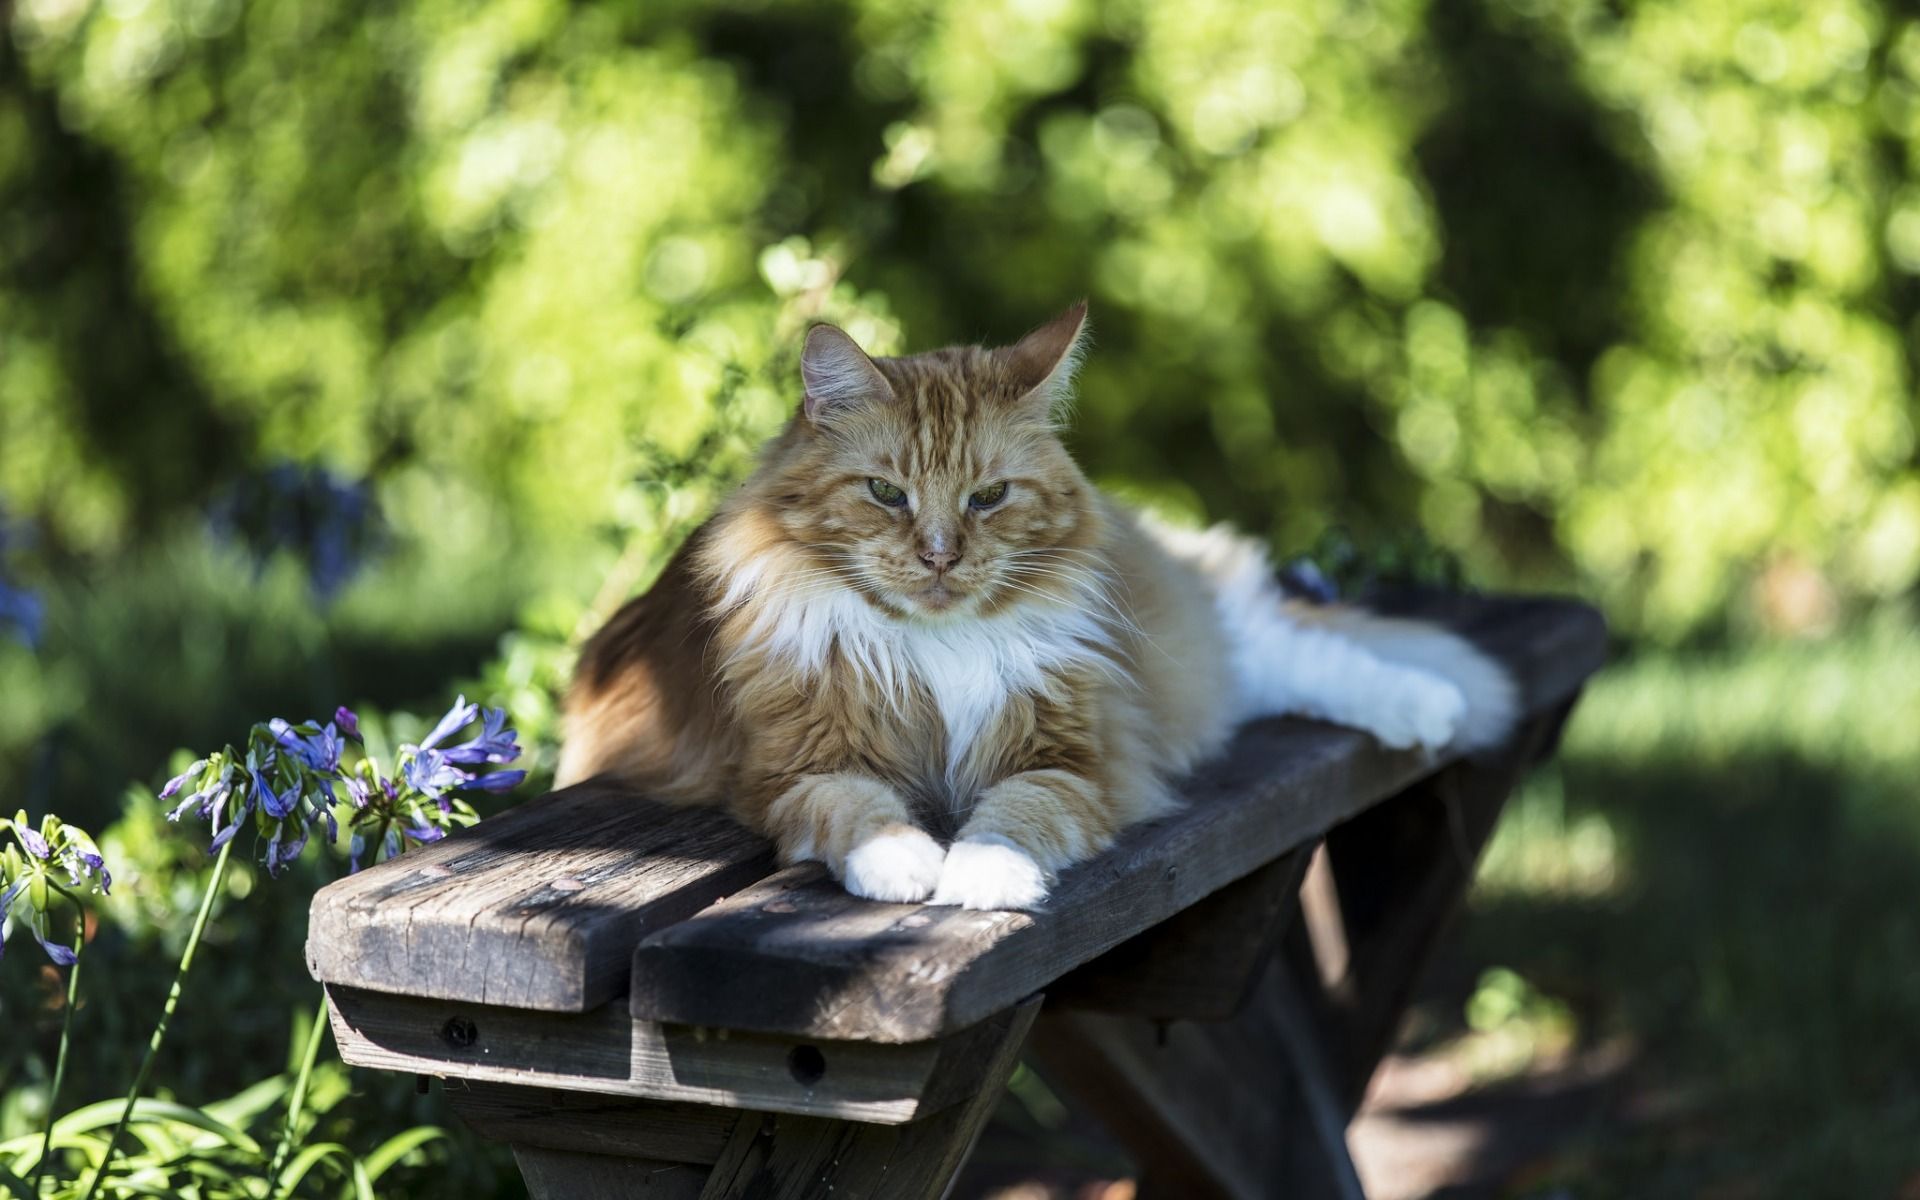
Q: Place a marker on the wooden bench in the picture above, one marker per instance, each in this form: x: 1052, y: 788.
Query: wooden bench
x: 641, y: 1004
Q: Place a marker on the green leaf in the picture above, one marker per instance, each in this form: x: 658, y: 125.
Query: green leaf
x: 14, y: 1185
x: 304, y: 1162
x: 243, y: 1106
x: 398, y: 1147
x: 156, y: 1112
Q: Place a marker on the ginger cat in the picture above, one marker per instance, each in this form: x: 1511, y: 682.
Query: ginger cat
x: 918, y: 617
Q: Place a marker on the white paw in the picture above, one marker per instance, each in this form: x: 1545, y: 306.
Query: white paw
x: 990, y: 872
x: 1423, y: 710
x: 902, y: 866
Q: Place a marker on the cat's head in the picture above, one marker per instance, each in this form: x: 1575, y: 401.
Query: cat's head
x: 936, y: 484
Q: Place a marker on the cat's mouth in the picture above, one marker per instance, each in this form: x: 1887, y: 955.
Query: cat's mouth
x: 937, y: 596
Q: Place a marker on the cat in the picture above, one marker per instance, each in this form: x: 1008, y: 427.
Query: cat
x: 918, y: 617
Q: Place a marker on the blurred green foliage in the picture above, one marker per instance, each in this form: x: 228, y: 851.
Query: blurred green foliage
x: 1615, y: 296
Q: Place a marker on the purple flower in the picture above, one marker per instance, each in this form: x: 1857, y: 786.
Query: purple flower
x: 179, y: 781
x: 180, y: 810
x: 458, y: 717
x: 36, y: 845
x: 36, y: 925
x: 348, y: 722
x: 62, y: 956
x: 280, y: 854
x: 83, y: 862
x: 222, y: 836
x: 499, y: 781
x: 6, y: 902
x: 280, y: 806
x: 494, y: 743
x: 430, y: 774
x: 422, y: 832
x: 210, y: 800
x: 24, y: 611
x: 319, y: 751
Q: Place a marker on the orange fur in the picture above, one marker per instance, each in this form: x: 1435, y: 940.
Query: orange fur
x: 851, y: 676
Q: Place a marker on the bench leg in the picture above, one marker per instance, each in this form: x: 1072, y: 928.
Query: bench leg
x: 1391, y: 881
x: 1236, y: 1109
x: 569, y: 1175
x: 1222, y: 1093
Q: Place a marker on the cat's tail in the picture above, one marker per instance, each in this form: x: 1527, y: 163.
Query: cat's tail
x: 1407, y: 681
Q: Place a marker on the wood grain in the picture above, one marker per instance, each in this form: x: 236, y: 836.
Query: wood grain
x: 610, y: 1053
x: 537, y: 908
x: 1211, y: 1110
x: 587, y: 1123
x: 802, y: 1158
x: 571, y: 1175
x: 795, y: 954
x: 1201, y: 964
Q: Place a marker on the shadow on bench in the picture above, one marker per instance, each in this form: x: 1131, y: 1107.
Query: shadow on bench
x: 638, y: 1001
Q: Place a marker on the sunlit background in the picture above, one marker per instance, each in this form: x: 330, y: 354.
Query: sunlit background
x: 365, y: 351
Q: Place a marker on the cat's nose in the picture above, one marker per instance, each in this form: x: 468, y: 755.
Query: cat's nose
x: 939, y: 561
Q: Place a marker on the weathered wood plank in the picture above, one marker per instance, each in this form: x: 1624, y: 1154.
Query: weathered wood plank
x: 1211, y: 1110
x: 588, y: 1123
x: 571, y: 1175
x: 1200, y: 964
x: 536, y: 908
x: 795, y: 954
x: 801, y: 1158
x: 611, y: 1053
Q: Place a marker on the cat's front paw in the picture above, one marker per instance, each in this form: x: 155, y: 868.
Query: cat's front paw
x: 901, y: 865
x: 992, y: 873
x: 1423, y: 710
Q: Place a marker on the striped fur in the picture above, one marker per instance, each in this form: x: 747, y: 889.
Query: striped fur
x: 962, y: 731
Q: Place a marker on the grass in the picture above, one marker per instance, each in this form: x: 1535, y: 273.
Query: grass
x: 1720, y: 870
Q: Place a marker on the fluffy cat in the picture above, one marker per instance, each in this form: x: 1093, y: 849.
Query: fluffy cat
x: 918, y: 617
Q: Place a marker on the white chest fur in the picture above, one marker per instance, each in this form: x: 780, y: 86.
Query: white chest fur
x: 968, y: 666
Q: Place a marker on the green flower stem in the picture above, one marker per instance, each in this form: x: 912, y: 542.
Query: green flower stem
x: 166, y: 1016
x: 66, y: 1036
x: 299, y: 1099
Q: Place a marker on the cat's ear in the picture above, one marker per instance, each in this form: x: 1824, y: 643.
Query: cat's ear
x: 1042, y: 364
x: 838, y: 374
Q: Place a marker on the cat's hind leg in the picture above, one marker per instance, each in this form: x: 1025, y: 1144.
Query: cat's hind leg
x: 1406, y: 682
x: 1289, y: 669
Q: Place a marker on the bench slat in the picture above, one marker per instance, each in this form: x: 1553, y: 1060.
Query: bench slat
x: 539, y: 907
x: 794, y: 954
x: 609, y: 1053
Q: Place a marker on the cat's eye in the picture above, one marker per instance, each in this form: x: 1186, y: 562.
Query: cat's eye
x: 988, y: 496
x: 886, y: 493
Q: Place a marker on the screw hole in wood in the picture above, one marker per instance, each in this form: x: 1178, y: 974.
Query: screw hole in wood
x: 459, y: 1033
x: 806, y: 1064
